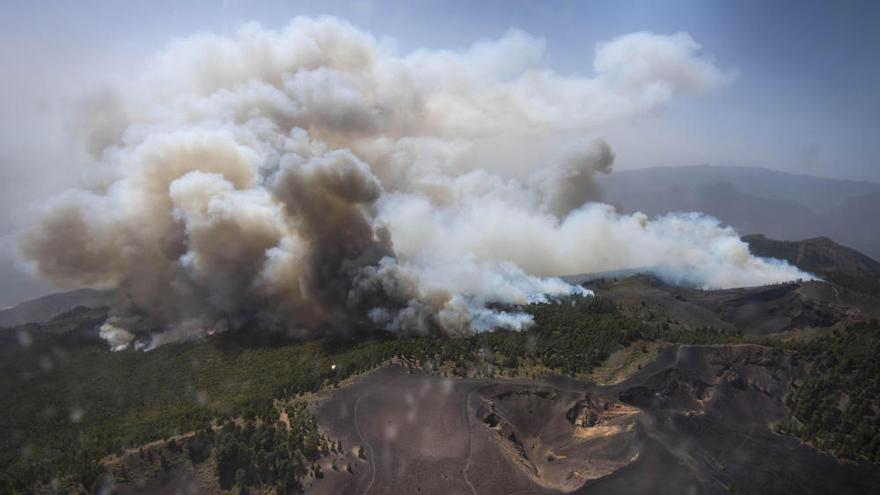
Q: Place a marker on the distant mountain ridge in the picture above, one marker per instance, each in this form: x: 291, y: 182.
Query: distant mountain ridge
x: 45, y: 308
x: 755, y: 200
x: 816, y: 193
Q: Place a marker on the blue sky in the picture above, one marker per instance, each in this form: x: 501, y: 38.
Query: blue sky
x: 805, y: 99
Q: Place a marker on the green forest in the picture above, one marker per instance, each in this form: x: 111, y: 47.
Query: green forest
x: 837, y: 407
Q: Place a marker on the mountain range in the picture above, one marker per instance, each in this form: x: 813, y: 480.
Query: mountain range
x: 756, y: 200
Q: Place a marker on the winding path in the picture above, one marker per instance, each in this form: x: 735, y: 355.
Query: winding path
x: 364, y: 441
x: 467, y: 414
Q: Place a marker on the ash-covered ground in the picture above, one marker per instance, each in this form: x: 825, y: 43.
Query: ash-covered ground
x: 697, y: 420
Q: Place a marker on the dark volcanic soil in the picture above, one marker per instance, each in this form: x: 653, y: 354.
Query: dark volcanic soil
x: 420, y: 434
x: 698, y: 420
x: 706, y: 428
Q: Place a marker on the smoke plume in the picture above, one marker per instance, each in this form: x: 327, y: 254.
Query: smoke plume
x: 314, y: 180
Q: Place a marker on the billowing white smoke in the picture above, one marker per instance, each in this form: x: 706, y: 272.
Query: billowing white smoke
x: 312, y: 179
x: 118, y: 338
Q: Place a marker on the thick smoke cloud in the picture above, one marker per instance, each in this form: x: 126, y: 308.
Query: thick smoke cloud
x: 315, y: 180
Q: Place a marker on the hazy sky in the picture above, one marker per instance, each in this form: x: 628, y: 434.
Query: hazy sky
x: 805, y: 99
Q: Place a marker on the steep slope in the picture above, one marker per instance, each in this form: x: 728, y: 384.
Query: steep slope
x: 824, y: 257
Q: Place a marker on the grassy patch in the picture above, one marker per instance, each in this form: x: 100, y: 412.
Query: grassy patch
x: 624, y: 362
